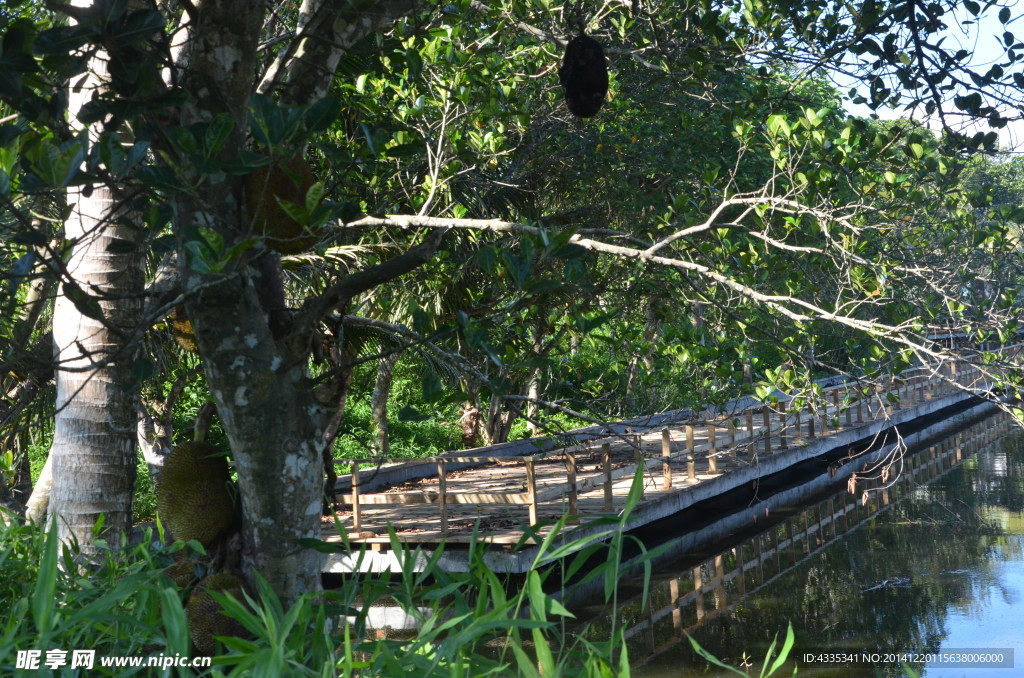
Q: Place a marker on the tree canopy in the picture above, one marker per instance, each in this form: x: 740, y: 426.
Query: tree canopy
x: 309, y: 196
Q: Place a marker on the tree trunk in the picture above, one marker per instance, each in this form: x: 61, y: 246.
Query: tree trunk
x: 93, y: 450
x: 533, y: 379
x: 258, y: 381
x: 379, y: 401
x: 469, y: 423
x: 265, y: 403
x: 39, y: 502
x: 154, y: 438
x: 532, y: 411
x: 338, y: 389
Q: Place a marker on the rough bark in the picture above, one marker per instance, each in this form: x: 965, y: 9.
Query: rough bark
x: 263, y: 395
x: 265, y: 403
x: 534, y: 376
x: 379, y: 401
x: 302, y: 73
x: 470, y: 424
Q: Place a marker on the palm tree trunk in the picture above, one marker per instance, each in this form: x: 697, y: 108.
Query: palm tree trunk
x: 93, y: 452
x: 94, y: 436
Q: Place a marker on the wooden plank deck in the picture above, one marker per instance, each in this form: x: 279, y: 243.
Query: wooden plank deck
x: 499, y: 496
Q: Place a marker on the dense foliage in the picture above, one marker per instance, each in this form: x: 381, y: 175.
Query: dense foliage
x: 325, y: 228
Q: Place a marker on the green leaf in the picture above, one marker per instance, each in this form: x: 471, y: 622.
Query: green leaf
x: 55, y: 165
x: 218, y: 132
x: 545, y: 659
x: 784, y: 652
x: 138, y: 26
x: 410, y: 413
x: 86, y: 305
x: 173, y: 616
x: 777, y: 124
x: 314, y: 196
x: 160, y: 179
x: 63, y: 39
x: 712, y: 658
x: 408, y: 150
x: 214, y: 239
x: 322, y: 114
x: 44, y: 595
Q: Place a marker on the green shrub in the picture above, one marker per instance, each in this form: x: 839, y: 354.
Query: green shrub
x: 121, y: 604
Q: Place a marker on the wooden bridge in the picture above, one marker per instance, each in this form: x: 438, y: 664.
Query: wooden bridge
x: 490, y: 494
x: 714, y: 585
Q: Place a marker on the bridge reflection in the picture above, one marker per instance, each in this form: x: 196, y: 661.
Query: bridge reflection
x: 711, y: 586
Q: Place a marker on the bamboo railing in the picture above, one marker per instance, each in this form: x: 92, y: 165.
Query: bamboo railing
x: 727, y: 440
x: 714, y: 586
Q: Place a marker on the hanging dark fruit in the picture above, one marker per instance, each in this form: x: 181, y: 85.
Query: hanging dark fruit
x: 584, y: 76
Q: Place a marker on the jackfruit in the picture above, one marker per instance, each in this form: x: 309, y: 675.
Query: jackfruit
x: 204, y: 613
x: 193, y: 498
x: 288, y: 181
x: 182, y: 572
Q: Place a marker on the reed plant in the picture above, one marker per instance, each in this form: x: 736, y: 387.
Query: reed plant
x: 473, y: 623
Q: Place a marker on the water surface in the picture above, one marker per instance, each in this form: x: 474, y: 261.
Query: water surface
x: 930, y: 560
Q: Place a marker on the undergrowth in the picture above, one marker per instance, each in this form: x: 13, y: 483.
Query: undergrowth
x: 470, y: 624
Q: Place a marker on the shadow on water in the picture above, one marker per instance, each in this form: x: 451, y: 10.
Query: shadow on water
x: 930, y: 560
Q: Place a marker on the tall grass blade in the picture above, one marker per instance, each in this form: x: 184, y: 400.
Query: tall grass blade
x: 43, y: 597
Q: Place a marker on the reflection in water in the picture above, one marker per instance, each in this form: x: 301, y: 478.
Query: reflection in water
x: 933, y: 561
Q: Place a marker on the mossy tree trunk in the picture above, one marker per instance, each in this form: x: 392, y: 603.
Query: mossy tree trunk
x: 255, y: 352
x: 259, y: 384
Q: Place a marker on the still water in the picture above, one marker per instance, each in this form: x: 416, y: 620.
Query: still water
x: 930, y: 561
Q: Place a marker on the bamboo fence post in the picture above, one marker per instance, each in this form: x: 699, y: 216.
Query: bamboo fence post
x: 750, y: 429
x: 638, y: 459
x: 741, y: 570
x: 810, y: 421
x: 606, y: 457
x: 783, y: 442
x: 356, y: 512
x: 570, y: 458
x: 442, y: 495
x: 666, y: 459
x: 677, y: 614
x: 691, y: 463
x: 767, y: 429
x: 531, y: 489
x: 849, y: 409
x: 860, y: 408
x: 824, y: 417
x: 720, y: 601
x: 698, y: 587
x: 712, y: 449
